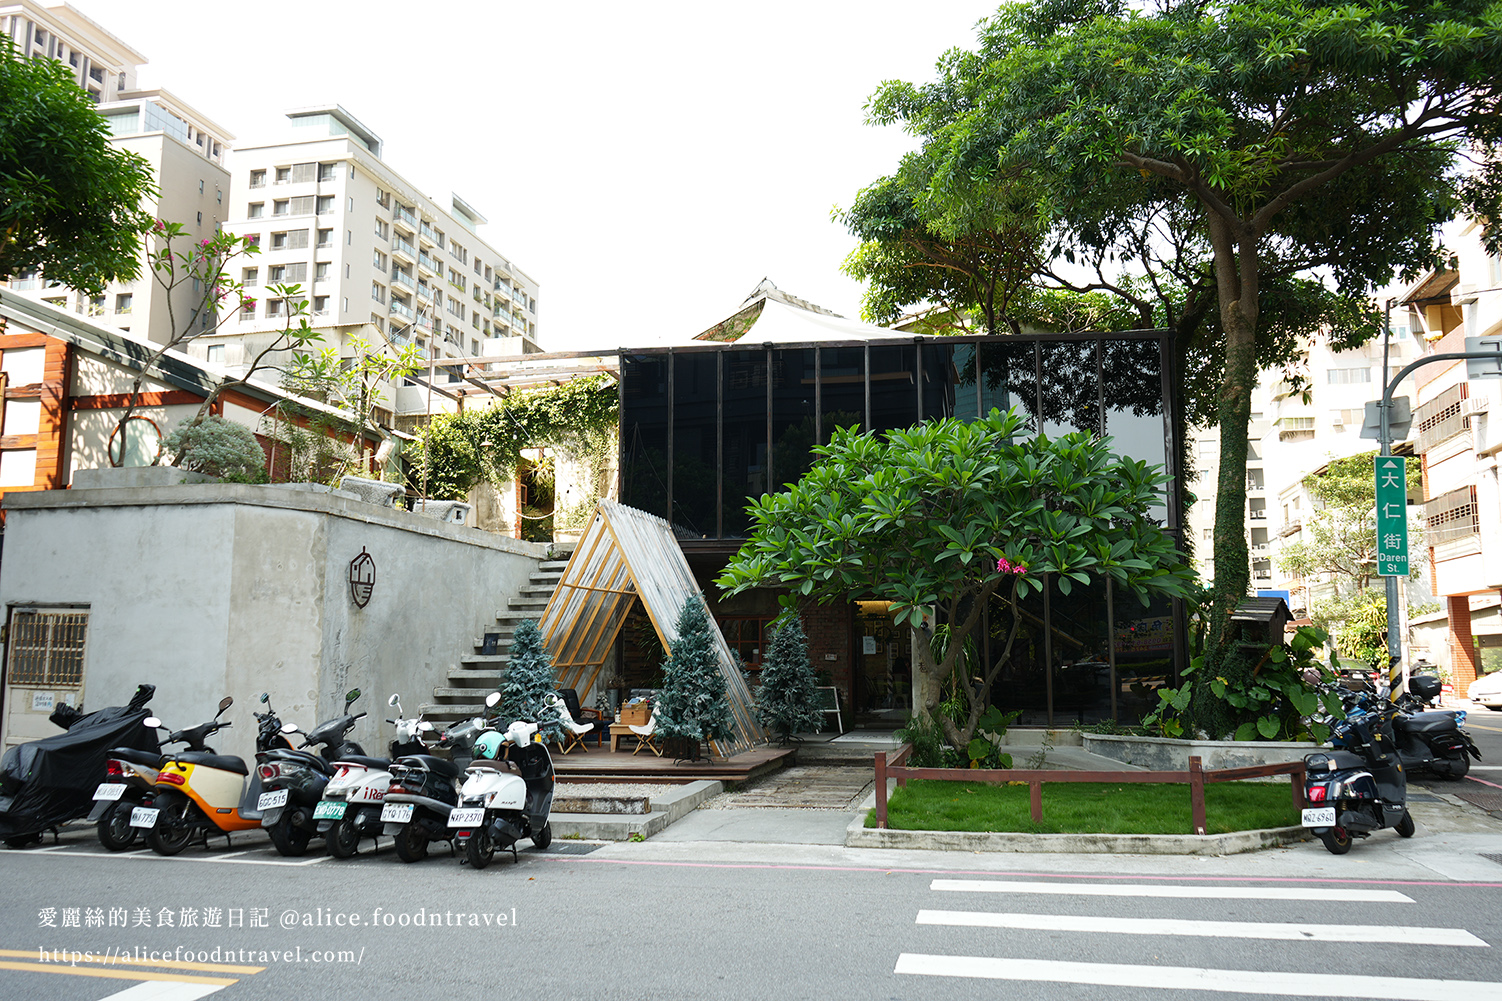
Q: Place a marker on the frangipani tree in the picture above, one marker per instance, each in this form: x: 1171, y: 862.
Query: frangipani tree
x: 954, y: 516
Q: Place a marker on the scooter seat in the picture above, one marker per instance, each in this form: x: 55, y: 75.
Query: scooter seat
x: 1342, y: 760
x: 1425, y: 722
x: 366, y: 760
x: 438, y: 766
x: 227, y: 762
x: 151, y: 759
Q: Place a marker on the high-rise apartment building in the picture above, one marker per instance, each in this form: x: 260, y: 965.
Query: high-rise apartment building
x: 103, y: 65
x: 376, y: 258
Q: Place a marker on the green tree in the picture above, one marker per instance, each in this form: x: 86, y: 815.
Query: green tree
x: 1338, y: 544
x: 952, y: 516
x: 692, y: 704
x: 218, y: 447
x: 1313, y: 138
x: 70, y: 202
x: 527, y: 683
x: 787, y: 698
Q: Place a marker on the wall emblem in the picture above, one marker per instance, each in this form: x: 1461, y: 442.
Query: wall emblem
x: 361, y: 578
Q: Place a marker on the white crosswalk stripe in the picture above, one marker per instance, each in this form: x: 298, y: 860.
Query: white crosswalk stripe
x: 1325, y: 984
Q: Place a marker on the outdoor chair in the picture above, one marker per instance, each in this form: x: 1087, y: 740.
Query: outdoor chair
x: 573, y: 731
x: 599, y: 720
x: 646, y: 735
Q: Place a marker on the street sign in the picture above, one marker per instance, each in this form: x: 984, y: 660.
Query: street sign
x: 1398, y: 421
x: 1392, y: 516
x: 1488, y: 366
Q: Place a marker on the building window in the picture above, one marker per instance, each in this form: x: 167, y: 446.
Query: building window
x: 320, y: 271
x: 746, y: 635
x: 325, y: 238
x: 280, y: 206
x: 378, y: 261
x: 46, y: 648
x: 328, y: 171
x: 378, y: 291
x: 123, y: 302
x: 216, y: 353
x: 379, y: 322
x: 325, y: 204
x: 275, y: 307
x: 248, y: 309
x: 303, y: 172
x: 383, y: 229
x: 200, y: 185
x: 1348, y: 376
x: 250, y: 276
x: 200, y: 218
x: 351, y: 203
x: 320, y: 305
x: 283, y: 175
x: 302, y: 205
x: 257, y: 178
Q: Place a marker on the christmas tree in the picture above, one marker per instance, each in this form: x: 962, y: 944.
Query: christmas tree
x: 528, y: 682
x: 788, y: 697
x: 692, y: 704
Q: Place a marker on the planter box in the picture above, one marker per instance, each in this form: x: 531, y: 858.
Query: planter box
x: 1160, y: 754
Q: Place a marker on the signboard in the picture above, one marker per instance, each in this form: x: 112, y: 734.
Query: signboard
x: 1392, y: 516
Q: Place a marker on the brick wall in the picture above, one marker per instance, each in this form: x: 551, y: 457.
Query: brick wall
x: 1462, y: 644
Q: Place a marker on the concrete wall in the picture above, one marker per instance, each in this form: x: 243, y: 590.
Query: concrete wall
x: 214, y: 589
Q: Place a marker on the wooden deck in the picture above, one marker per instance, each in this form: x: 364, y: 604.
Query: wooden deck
x: 601, y: 764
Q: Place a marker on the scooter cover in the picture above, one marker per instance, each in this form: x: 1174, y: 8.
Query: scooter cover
x: 52, y: 780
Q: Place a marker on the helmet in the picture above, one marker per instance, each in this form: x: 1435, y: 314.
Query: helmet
x: 488, y: 745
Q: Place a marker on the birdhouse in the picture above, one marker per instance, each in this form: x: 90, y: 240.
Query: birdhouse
x: 1263, y: 620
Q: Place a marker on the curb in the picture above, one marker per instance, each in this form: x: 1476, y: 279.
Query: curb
x: 667, y: 809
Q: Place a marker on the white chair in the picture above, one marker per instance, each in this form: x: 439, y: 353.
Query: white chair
x: 573, y: 735
x: 645, y: 735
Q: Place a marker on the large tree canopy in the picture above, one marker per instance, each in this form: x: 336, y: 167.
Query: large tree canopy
x: 70, y: 203
x: 1307, y: 139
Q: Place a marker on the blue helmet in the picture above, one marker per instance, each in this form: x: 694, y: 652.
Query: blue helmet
x: 488, y: 745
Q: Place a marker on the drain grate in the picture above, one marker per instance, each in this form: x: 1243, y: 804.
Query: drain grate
x: 1495, y: 858
x: 569, y: 848
x: 1487, y: 800
x: 1420, y: 797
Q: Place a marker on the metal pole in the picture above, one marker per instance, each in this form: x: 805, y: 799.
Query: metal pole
x: 1394, y: 625
x: 427, y: 428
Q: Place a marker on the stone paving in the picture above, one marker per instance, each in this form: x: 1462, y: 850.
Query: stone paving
x: 810, y: 787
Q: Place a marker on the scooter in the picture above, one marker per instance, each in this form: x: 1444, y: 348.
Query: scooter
x: 499, y: 806
x: 198, y: 792
x: 351, y: 806
x: 130, y: 781
x: 294, y: 779
x: 1350, y: 793
x: 423, y: 793
x: 1432, y: 742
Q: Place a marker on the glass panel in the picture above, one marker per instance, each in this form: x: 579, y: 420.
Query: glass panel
x: 843, y: 384
x: 695, y: 386
x: 1009, y: 378
x: 883, y: 681
x: 1081, y: 653
x: 1070, y: 388
x: 745, y: 471
x: 792, y: 413
x: 938, y: 381
x: 1144, y: 654
x: 644, y: 432
x: 962, y: 372
x: 1022, y: 683
x: 1134, y: 403
x: 894, y: 401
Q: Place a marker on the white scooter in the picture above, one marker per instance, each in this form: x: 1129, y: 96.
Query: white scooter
x: 507, y: 793
x: 351, y: 806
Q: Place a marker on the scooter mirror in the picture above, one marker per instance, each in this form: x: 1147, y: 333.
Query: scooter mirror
x: 395, y: 700
x: 350, y: 696
x: 224, y: 704
x: 289, y: 728
x: 492, y: 699
x: 152, y: 722
x: 266, y: 698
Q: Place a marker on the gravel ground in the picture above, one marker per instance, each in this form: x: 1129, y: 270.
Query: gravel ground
x: 575, y: 790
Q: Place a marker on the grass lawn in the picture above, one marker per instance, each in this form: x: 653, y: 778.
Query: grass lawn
x: 1086, y: 807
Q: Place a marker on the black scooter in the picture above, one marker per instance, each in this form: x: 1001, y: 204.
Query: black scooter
x: 1432, y: 741
x: 424, y: 791
x: 292, y: 780
x: 1350, y: 793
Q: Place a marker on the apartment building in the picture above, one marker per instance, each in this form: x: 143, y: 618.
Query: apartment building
x: 185, y: 149
x: 1458, y: 424
x: 378, y: 260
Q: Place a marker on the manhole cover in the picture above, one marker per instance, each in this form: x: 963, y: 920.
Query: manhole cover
x: 567, y: 848
x: 1489, y: 801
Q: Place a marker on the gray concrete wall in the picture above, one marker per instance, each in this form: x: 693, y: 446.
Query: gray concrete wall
x: 213, y: 589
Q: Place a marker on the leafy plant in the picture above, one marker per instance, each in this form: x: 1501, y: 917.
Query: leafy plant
x: 218, y: 447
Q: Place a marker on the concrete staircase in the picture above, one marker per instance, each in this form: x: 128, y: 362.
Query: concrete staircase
x: 478, y: 674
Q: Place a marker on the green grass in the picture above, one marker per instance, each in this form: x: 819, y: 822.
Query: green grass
x: 1086, y: 807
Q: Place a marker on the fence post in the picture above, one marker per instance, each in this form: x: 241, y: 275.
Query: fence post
x: 881, y: 788
x: 1035, y: 798
x: 1197, y: 794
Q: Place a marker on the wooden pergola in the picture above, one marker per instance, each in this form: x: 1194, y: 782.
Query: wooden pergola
x: 625, y: 555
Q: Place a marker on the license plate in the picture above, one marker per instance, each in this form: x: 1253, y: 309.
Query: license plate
x: 396, y: 813
x: 272, y: 800
x: 143, y: 816
x: 1320, y: 816
x: 109, y: 790
x: 466, y: 816
x: 330, y: 809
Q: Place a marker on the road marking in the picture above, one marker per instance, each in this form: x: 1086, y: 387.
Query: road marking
x: 1201, y: 892
x: 1199, y: 979
x: 94, y: 971
x: 113, y: 959
x: 226, y: 859
x: 163, y: 991
x: 1204, y: 929
x: 1484, y: 782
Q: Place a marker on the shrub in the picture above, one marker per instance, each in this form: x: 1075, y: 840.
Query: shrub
x: 218, y: 447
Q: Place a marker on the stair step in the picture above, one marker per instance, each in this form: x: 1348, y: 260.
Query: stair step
x: 535, y: 605
x: 553, y: 565
x: 460, y: 693
x: 489, y: 677
x: 438, y: 711
x: 505, y: 640
x: 484, y: 659
x: 541, y: 590
x: 512, y: 615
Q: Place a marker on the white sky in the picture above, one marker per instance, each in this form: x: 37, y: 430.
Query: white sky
x: 647, y: 163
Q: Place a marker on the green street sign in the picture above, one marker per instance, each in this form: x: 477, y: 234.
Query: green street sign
x: 1392, y: 516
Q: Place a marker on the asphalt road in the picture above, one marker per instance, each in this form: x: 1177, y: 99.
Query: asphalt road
x: 713, y: 921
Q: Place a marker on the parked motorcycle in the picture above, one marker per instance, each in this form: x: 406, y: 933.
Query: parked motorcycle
x: 198, y: 792
x: 507, y: 794
x: 424, y: 791
x: 1350, y: 793
x: 352, y: 801
x: 294, y: 779
x: 1426, y: 741
x: 46, y: 783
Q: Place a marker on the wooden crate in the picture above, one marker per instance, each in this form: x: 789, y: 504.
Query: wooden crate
x: 636, y: 715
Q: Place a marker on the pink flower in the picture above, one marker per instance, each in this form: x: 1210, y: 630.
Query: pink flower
x: 1005, y: 565
x: 203, y: 243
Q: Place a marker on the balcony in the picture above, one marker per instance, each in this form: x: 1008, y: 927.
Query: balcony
x: 401, y: 248
x: 424, y: 293
x: 402, y: 278
x: 405, y: 218
x: 426, y: 236
x: 402, y: 309
x: 427, y: 264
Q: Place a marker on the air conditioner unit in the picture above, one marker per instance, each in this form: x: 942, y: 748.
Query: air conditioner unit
x: 1259, y: 513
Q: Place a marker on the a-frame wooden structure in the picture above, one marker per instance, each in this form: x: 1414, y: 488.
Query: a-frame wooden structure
x: 625, y: 555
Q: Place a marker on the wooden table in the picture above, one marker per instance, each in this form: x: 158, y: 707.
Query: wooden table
x: 617, y: 731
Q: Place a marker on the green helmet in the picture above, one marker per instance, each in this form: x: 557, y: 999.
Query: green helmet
x: 488, y: 745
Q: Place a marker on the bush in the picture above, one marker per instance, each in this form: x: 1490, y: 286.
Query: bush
x: 218, y: 447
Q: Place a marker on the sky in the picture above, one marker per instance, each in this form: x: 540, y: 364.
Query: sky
x: 647, y: 163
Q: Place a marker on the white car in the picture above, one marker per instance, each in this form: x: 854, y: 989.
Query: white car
x: 1487, y: 690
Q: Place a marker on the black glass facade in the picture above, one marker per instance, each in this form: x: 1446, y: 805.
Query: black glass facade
x: 706, y: 429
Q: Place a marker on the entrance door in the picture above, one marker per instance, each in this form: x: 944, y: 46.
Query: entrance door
x: 44, y: 667
x: 884, y: 672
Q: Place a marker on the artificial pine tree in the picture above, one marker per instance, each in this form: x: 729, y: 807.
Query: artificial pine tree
x: 788, y: 697
x: 692, y: 704
x: 528, y: 682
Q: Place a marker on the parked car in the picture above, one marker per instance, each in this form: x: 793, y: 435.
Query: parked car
x: 1487, y: 690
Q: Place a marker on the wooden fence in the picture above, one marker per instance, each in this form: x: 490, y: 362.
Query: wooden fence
x: 891, y: 765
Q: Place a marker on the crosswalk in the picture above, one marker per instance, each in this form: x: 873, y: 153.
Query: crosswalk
x: 1090, y: 927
